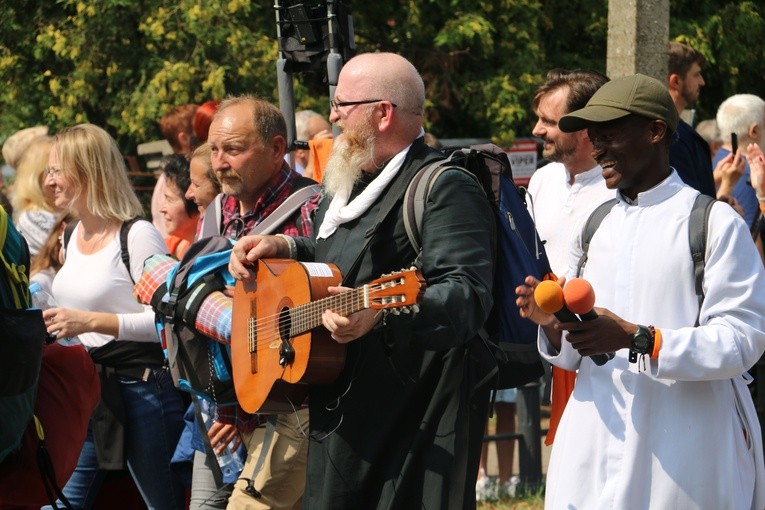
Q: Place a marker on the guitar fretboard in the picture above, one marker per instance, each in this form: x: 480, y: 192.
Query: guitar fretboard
x: 303, y: 318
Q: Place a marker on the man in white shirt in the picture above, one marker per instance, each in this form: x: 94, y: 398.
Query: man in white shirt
x: 566, y: 188
x: 571, y: 183
x: 668, y: 422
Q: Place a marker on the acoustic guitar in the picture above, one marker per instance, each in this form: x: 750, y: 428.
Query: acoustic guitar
x: 278, y: 343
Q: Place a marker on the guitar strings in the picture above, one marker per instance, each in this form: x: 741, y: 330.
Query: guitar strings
x: 307, y: 316
x: 298, y: 316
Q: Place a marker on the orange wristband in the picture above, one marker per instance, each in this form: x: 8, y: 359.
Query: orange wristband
x: 656, y: 343
x: 762, y: 207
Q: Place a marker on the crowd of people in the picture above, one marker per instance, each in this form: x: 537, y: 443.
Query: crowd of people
x: 403, y: 424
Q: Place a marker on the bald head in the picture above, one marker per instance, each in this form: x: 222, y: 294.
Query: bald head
x: 391, y: 77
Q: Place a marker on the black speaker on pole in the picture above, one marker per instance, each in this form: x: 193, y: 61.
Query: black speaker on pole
x: 313, y: 36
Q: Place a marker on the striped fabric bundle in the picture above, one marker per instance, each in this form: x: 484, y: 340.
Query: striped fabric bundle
x: 214, y: 317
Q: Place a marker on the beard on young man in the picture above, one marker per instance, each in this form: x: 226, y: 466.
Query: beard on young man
x: 560, y: 149
x: 351, y: 152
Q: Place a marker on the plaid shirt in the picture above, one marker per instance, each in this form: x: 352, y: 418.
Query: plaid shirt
x: 236, y: 225
x: 278, y: 189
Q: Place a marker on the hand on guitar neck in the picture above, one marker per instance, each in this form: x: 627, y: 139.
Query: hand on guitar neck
x: 347, y: 329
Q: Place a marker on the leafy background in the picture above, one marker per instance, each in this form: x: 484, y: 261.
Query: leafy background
x: 123, y: 63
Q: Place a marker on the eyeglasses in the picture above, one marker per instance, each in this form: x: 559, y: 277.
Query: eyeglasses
x: 54, y: 172
x: 338, y: 104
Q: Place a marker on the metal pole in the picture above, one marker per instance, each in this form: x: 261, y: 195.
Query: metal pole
x: 335, y: 58
x: 286, y: 87
x: 530, y: 444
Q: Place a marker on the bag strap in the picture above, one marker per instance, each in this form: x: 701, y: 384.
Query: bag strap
x: 15, y: 274
x: 593, y: 222
x: 191, y: 300
x: 124, y: 246
x: 268, y: 438
x: 47, y: 471
x: 211, y: 222
x: 414, y: 200
x: 285, y: 210
x: 209, y: 450
x: 698, y: 230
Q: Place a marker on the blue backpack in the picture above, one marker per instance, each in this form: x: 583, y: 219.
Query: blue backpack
x: 518, y: 253
x: 199, y: 365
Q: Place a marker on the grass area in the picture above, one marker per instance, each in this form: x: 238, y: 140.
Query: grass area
x: 530, y: 499
x: 531, y: 502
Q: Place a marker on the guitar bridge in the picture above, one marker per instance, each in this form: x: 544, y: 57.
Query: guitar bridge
x: 286, y: 353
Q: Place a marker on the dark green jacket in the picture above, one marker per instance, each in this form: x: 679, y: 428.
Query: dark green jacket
x: 402, y: 426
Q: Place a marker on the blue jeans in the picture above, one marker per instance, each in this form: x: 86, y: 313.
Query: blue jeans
x: 154, y: 423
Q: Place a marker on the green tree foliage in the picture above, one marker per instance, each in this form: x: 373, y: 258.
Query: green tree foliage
x: 123, y: 63
x: 480, y: 59
x: 730, y: 37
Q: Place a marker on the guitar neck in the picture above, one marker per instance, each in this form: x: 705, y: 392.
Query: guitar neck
x: 308, y: 316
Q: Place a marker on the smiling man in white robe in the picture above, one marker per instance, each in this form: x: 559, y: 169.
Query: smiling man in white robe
x: 667, y: 423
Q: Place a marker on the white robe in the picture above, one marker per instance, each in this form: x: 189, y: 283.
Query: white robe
x: 682, y: 434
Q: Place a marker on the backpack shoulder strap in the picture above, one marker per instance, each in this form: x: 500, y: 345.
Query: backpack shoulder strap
x: 211, y: 221
x: 68, y: 231
x: 593, y: 222
x: 124, y: 246
x: 415, y: 196
x: 698, y: 228
x: 285, y: 210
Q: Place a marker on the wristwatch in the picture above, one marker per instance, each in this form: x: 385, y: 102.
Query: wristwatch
x: 641, y: 343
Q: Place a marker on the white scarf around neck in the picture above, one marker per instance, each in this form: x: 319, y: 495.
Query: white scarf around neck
x: 340, y: 211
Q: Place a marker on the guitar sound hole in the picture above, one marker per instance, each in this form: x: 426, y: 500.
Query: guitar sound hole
x: 285, y: 324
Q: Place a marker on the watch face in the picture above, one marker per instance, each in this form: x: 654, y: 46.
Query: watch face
x: 641, y: 340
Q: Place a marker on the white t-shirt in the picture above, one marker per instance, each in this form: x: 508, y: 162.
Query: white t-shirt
x: 100, y: 282
x: 556, y: 206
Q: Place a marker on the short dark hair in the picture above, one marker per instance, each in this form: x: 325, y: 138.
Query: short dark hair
x: 581, y: 83
x: 681, y: 58
x: 176, y: 170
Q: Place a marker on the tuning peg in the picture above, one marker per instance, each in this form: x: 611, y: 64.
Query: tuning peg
x: 406, y: 309
x: 415, y: 308
x: 395, y: 311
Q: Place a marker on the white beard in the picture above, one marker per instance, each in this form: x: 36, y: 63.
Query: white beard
x: 350, y: 153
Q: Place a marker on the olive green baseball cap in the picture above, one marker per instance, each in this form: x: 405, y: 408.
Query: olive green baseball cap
x: 637, y: 94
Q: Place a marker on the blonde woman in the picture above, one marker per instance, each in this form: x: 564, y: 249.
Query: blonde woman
x: 94, y: 289
x: 33, y: 206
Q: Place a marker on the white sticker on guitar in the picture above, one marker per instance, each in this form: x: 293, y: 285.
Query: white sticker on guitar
x: 316, y: 269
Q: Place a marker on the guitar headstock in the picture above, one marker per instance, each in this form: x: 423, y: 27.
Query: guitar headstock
x: 402, y: 289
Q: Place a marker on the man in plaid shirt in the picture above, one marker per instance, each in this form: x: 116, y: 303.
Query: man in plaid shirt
x: 248, y: 141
